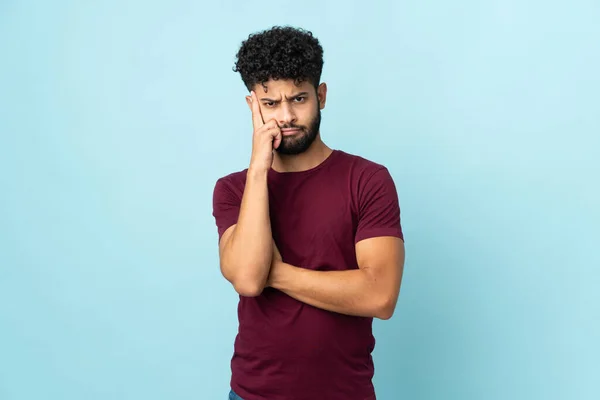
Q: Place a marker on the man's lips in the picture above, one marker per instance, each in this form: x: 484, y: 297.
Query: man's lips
x: 290, y: 131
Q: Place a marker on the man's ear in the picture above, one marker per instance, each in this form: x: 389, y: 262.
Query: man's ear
x: 322, y: 95
x: 249, y: 102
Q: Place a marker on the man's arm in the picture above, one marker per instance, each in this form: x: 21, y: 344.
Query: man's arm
x: 370, y: 291
x: 246, y: 248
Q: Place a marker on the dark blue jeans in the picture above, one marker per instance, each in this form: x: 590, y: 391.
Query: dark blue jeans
x: 233, y: 396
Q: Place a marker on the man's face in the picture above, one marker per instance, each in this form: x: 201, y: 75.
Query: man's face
x: 297, y: 110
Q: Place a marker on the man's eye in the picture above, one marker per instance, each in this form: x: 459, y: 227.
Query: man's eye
x: 299, y: 99
x: 269, y: 103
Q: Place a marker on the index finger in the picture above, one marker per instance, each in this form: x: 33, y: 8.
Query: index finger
x: 257, y: 119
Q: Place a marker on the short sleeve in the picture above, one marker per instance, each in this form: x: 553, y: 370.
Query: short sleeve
x: 226, y: 206
x: 378, y: 208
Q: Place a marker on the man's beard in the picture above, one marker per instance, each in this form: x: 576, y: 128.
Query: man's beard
x: 300, y: 142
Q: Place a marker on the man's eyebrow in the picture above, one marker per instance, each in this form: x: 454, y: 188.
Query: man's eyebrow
x: 291, y: 97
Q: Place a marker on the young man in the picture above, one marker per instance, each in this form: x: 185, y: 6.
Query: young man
x: 309, y: 237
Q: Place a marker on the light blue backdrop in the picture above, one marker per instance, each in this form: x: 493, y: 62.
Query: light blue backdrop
x: 116, y: 119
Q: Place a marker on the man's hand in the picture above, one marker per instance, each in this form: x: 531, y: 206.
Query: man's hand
x: 265, y: 139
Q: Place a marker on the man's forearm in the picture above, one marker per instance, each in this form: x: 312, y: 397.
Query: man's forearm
x: 248, y: 253
x: 351, y: 292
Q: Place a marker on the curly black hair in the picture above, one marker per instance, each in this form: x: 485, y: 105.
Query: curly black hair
x: 280, y: 53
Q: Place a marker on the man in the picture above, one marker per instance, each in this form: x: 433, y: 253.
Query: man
x: 309, y: 237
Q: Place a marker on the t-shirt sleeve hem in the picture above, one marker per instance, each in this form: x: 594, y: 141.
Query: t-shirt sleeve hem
x: 371, y: 233
x: 224, y: 228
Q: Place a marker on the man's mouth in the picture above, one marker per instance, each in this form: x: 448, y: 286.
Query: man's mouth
x: 290, y: 131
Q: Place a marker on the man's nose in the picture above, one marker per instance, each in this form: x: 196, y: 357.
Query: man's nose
x: 287, y: 115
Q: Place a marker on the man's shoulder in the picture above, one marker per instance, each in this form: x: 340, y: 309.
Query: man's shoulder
x: 233, y: 180
x: 360, y: 164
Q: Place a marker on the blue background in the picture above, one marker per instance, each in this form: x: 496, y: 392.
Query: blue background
x: 117, y: 118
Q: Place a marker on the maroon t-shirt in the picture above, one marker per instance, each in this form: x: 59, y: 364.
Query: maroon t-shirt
x: 286, y: 349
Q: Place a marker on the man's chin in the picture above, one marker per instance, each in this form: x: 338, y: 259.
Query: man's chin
x: 291, y: 150
x: 290, y: 146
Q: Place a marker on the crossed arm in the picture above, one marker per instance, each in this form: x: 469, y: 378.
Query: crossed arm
x: 250, y: 260
x: 370, y: 291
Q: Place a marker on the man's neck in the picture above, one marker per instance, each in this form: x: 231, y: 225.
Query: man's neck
x: 315, y: 155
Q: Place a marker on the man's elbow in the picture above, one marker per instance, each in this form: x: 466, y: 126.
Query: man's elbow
x: 246, y: 282
x: 385, y: 308
x: 248, y: 285
x: 248, y: 288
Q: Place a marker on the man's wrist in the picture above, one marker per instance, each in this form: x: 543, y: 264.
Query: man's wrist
x: 279, y: 271
x: 257, y: 172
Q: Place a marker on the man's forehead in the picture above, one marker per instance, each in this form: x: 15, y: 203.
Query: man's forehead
x: 288, y: 86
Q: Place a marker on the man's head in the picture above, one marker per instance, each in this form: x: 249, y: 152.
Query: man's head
x: 283, y: 66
